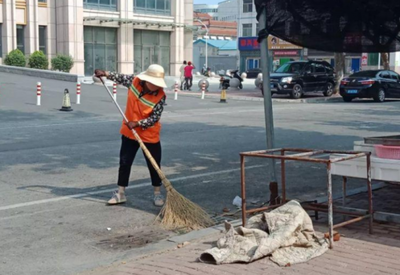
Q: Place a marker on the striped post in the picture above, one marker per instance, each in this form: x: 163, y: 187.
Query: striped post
x: 203, y: 89
x: 38, y: 93
x: 78, y: 93
x: 176, y: 90
x: 115, y: 91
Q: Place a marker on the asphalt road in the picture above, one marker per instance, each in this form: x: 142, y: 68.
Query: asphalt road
x: 58, y: 168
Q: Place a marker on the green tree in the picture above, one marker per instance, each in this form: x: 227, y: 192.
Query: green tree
x: 38, y: 60
x: 62, y: 63
x: 15, y: 58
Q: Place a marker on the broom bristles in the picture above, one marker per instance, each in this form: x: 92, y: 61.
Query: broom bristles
x: 179, y: 212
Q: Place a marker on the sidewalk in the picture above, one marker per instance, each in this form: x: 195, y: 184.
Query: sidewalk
x: 357, y: 252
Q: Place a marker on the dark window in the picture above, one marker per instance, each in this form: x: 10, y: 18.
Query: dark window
x: 394, y: 76
x: 247, y: 30
x: 158, y: 7
x: 100, y: 49
x: 42, y: 1
x: 43, y: 39
x: 247, y: 6
x: 290, y: 68
x: 319, y: 68
x: 21, y: 38
x: 365, y: 74
x: 110, y: 5
x: 309, y: 68
x: 385, y: 75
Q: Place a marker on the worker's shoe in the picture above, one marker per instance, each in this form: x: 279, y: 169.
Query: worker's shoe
x: 117, y: 198
x: 158, y: 200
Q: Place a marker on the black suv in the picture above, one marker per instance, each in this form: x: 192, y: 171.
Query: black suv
x: 298, y: 77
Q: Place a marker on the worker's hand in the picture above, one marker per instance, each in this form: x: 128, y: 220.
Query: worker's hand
x: 132, y: 124
x: 100, y: 73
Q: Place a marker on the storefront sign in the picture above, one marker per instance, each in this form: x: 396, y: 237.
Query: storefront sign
x: 274, y: 43
x: 364, y: 59
x: 248, y: 44
x: 286, y: 53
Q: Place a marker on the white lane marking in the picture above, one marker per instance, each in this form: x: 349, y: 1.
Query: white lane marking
x: 20, y: 205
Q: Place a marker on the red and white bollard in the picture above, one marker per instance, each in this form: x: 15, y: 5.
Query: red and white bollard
x: 203, y: 89
x: 176, y: 90
x: 38, y: 93
x: 115, y: 91
x: 78, y: 93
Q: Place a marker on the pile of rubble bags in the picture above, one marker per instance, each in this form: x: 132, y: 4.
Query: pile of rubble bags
x: 286, y: 234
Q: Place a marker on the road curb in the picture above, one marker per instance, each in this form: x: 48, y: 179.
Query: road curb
x: 247, y: 98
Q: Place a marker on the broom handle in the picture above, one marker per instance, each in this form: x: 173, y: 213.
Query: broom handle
x: 166, y: 182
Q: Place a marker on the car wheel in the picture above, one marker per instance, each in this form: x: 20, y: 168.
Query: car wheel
x: 297, y: 91
x: 328, y: 89
x: 380, y: 96
x: 347, y: 99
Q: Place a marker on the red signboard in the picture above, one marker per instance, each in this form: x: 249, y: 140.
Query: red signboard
x: 364, y: 59
x: 286, y: 53
x: 248, y: 44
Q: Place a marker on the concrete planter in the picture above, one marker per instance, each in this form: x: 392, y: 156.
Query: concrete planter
x: 40, y: 73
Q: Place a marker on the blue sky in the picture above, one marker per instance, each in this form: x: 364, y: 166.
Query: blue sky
x: 206, y: 1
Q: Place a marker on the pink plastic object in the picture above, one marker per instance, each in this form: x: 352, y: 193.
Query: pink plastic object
x: 387, y: 152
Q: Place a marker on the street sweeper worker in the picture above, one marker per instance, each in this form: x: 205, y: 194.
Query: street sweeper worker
x: 145, y: 104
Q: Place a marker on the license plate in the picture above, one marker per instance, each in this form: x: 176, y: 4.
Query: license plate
x: 352, y: 91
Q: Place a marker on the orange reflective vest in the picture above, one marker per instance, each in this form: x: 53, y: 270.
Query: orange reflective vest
x: 138, y: 108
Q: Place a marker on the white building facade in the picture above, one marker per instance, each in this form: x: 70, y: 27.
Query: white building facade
x: 228, y: 10
x: 116, y: 35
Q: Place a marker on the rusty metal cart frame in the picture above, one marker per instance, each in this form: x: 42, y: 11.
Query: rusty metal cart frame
x: 309, y: 155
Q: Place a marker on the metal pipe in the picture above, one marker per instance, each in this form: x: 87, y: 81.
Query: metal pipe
x: 243, y: 189
x: 283, y: 177
x: 369, y: 183
x: 254, y: 210
x: 288, y: 157
x: 269, y: 119
x: 205, y: 26
x: 348, y: 158
x: 312, y: 153
x: 330, y: 205
x: 344, y: 191
x: 350, y: 221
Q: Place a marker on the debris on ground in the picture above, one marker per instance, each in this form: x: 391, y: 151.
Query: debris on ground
x: 183, y: 244
x: 286, y: 233
x: 237, y: 201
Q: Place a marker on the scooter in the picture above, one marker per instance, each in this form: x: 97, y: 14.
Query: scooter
x: 226, y: 78
x: 235, y: 74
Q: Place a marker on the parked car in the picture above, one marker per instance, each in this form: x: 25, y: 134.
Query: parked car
x: 299, y: 77
x: 376, y: 84
x: 253, y: 73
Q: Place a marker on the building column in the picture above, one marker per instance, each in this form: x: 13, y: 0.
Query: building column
x: 32, y: 27
x: 188, y: 33
x: 125, y: 50
x: 69, y: 14
x: 51, y: 29
x: 9, y: 27
x: 177, y: 38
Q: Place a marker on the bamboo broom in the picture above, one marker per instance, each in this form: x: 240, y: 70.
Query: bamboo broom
x: 178, y: 211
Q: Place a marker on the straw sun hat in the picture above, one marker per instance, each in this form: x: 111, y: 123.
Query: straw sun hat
x: 155, y: 75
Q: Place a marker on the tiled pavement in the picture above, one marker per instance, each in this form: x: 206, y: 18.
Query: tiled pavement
x: 357, y: 252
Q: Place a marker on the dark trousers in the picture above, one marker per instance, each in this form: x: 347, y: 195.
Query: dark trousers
x: 189, y: 82
x: 129, y: 148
